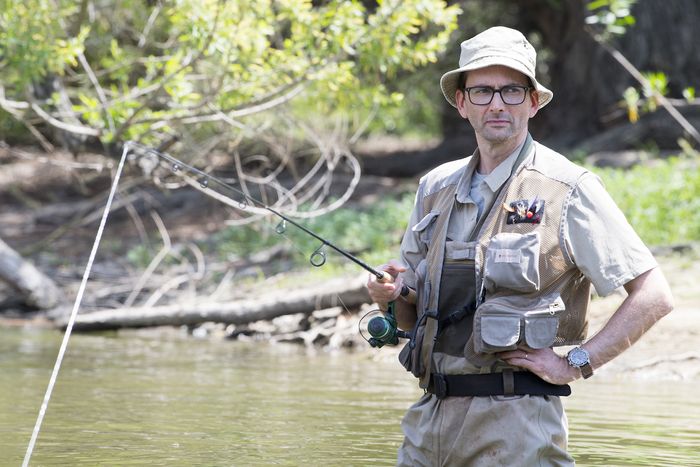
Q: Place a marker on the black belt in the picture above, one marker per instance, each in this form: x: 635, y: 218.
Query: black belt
x: 507, y: 383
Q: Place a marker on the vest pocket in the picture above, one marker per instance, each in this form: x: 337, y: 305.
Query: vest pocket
x: 424, y: 228
x: 409, y: 357
x: 541, y: 329
x: 512, y: 262
x: 500, y: 331
x: 504, y: 323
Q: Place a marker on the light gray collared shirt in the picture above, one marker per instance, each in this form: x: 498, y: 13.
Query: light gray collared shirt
x: 466, y: 211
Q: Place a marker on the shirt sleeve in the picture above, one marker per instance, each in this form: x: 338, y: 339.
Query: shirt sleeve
x: 599, y: 239
x: 412, y: 248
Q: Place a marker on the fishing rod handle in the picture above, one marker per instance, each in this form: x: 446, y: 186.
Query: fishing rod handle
x: 407, y: 292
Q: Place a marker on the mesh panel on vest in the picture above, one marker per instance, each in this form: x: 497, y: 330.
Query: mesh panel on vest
x: 557, y: 272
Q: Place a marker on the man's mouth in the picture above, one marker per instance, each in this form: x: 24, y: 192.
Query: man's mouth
x: 497, y: 122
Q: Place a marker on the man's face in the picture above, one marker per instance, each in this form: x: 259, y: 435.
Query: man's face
x: 497, y: 122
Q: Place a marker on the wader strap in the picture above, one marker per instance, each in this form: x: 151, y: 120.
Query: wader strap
x: 508, y: 382
x: 494, y: 384
x: 434, y: 258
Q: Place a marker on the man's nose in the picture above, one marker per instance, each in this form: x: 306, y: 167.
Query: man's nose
x: 497, y: 101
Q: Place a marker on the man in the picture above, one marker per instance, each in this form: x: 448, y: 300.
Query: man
x: 502, y: 248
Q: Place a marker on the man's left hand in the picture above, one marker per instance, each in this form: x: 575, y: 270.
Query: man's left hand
x: 545, y: 363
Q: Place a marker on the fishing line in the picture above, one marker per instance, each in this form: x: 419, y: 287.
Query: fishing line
x: 382, y: 328
x: 251, y: 204
x: 204, y: 180
x: 74, y: 313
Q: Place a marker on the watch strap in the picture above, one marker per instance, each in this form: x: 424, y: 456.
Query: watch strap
x: 586, y: 370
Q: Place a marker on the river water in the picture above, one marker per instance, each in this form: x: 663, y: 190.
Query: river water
x: 165, y: 400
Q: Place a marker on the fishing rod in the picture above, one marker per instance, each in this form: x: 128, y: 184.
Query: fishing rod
x: 317, y: 258
x: 382, y: 328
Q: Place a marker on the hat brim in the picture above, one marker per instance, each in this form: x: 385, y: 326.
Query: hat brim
x: 448, y: 81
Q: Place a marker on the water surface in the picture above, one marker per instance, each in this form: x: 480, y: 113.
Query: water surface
x: 177, y: 401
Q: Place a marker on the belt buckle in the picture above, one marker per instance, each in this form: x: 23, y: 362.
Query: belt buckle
x: 439, y: 385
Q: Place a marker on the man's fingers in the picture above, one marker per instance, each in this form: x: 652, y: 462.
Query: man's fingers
x: 393, y: 267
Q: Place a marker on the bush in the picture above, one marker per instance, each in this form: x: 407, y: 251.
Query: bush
x: 660, y: 199
x: 373, y: 234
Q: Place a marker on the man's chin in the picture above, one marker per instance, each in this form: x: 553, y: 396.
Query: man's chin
x: 498, y: 136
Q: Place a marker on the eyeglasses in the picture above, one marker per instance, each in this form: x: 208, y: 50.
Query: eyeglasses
x: 511, y: 95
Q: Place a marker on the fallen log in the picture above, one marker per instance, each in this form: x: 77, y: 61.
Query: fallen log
x: 337, y: 292
x: 35, y: 288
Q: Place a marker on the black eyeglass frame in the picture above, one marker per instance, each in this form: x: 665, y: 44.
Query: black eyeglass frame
x: 494, y: 91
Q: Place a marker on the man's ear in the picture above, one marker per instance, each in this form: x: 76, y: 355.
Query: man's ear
x: 534, y: 104
x: 460, y: 100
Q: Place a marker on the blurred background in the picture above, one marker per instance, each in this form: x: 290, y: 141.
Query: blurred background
x: 329, y: 112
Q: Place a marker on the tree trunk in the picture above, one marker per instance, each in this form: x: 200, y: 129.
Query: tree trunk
x: 36, y: 289
x: 344, y: 292
x: 588, y: 83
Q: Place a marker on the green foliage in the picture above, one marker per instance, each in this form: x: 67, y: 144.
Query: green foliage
x: 32, y: 41
x: 660, y: 199
x: 140, y: 256
x: 632, y: 98
x: 373, y: 234
x: 613, y: 16
x: 689, y: 94
x: 152, y: 69
x: 656, y: 85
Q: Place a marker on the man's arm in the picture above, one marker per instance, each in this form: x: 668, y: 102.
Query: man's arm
x: 649, y: 299
x: 405, y: 313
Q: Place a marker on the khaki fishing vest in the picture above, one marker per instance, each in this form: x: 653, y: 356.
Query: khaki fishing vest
x: 545, y: 180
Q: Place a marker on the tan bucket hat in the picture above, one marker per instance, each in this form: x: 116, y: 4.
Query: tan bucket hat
x: 496, y: 46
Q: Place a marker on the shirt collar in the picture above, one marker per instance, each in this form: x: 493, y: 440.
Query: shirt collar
x: 494, y: 180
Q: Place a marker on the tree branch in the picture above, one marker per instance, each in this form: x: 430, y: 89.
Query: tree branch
x: 632, y: 70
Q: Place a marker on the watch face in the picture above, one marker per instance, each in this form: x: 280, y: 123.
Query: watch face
x: 578, y: 357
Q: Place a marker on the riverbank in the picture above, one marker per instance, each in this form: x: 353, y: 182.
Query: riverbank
x: 669, y: 351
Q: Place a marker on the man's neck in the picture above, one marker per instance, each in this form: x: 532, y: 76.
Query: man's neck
x: 492, y: 154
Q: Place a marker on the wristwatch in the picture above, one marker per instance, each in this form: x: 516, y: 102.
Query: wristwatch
x: 578, y: 357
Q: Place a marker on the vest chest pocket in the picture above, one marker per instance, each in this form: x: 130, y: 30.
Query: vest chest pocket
x: 512, y: 262
x: 424, y: 228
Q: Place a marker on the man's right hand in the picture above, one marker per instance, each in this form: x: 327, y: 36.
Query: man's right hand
x: 383, y: 291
